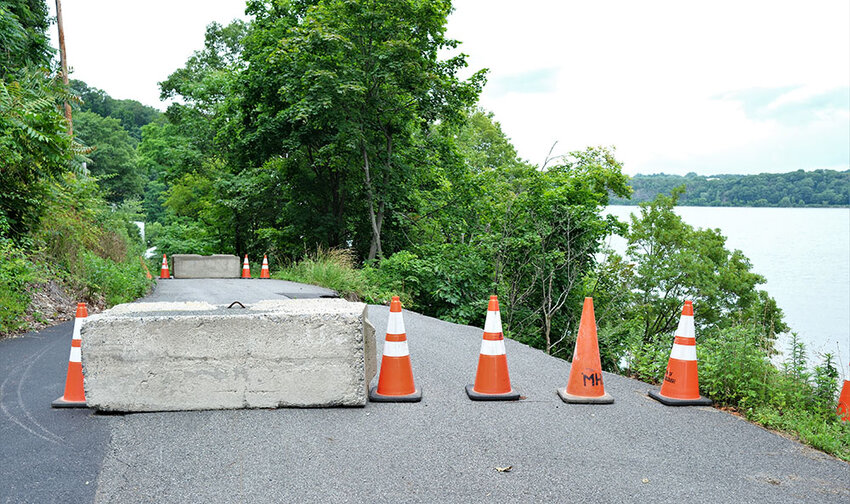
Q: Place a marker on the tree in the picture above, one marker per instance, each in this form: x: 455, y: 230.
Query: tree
x: 353, y: 84
x: 132, y: 114
x: 113, y: 155
x: 551, y: 233
x: 675, y: 262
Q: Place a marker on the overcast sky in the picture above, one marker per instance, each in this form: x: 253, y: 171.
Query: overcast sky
x: 709, y: 87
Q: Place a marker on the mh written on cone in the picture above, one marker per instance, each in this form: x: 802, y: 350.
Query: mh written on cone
x: 585, y: 382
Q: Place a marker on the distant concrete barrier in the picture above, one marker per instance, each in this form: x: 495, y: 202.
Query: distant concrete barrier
x: 212, y: 266
x: 196, y: 356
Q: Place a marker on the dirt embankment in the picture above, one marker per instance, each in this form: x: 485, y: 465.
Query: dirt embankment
x: 50, y: 303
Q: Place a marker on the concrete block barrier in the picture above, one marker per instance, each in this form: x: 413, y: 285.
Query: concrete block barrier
x: 196, y: 356
x: 212, y: 266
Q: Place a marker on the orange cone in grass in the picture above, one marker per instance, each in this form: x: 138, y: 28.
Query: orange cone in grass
x: 585, y: 383
x: 492, y: 381
x: 395, y: 383
x: 844, y: 402
x: 264, y: 272
x: 145, y: 266
x: 246, y: 270
x: 681, y: 382
x: 163, y: 272
x: 75, y: 395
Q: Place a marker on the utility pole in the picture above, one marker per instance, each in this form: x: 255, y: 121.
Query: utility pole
x: 64, y: 60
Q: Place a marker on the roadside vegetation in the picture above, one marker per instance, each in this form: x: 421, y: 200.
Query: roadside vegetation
x: 334, y: 137
x: 61, y: 242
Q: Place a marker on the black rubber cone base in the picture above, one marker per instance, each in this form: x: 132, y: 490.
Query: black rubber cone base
x: 669, y: 401
x: 513, y: 395
x: 574, y: 399
x: 374, y: 396
x: 62, y: 403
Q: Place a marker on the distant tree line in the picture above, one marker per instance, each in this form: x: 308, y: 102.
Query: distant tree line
x: 817, y: 188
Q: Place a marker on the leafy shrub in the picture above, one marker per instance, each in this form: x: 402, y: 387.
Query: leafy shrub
x: 16, y: 272
x: 734, y: 370
x: 115, y: 282
x: 450, y: 281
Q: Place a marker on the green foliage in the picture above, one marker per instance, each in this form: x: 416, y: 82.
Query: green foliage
x: 82, y: 242
x: 816, y: 188
x: 23, y: 35
x: 344, y: 90
x: 16, y: 273
x: 114, y: 282
x: 95, y: 248
x: 132, y: 114
x: 113, y: 155
x: 34, y: 146
x: 735, y: 371
x: 449, y: 281
x: 182, y: 236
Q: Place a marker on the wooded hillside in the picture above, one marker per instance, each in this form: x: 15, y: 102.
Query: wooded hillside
x: 817, y: 188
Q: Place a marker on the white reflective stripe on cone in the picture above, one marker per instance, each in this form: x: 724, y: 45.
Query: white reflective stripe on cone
x: 686, y: 327
x: 684, y: 352
x: 75, y: 354
x: 492, y: 347
x: 493, y: 322
x: 395, y: 323
x: 78, y: 324
x: 396, y: 349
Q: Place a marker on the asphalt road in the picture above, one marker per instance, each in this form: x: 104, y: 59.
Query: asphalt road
x: 444, y: 449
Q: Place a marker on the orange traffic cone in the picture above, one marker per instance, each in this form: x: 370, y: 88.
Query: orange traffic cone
x: 585, y: 383
x: 164, y: 273
x: 74, y: 396
x: 844, y: 402
x: 681, y: 382
x: 145, y: 266
x: 264, y: 272
x: 246, y: 270
x: 492, y: 382
x: 395, y: 383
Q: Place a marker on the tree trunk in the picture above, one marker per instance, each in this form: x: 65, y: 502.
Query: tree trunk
x: 375, y: 246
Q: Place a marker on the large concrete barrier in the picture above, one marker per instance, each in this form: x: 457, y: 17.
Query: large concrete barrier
x: 193, y: 355
x: 212, y: 266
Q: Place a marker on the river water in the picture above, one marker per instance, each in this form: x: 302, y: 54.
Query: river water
x: 803, y: 253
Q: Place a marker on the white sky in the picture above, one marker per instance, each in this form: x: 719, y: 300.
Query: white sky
x: 710, y: 87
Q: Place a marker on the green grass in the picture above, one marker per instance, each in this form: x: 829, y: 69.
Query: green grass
x: 335, y: 269
x: 829, y: 435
